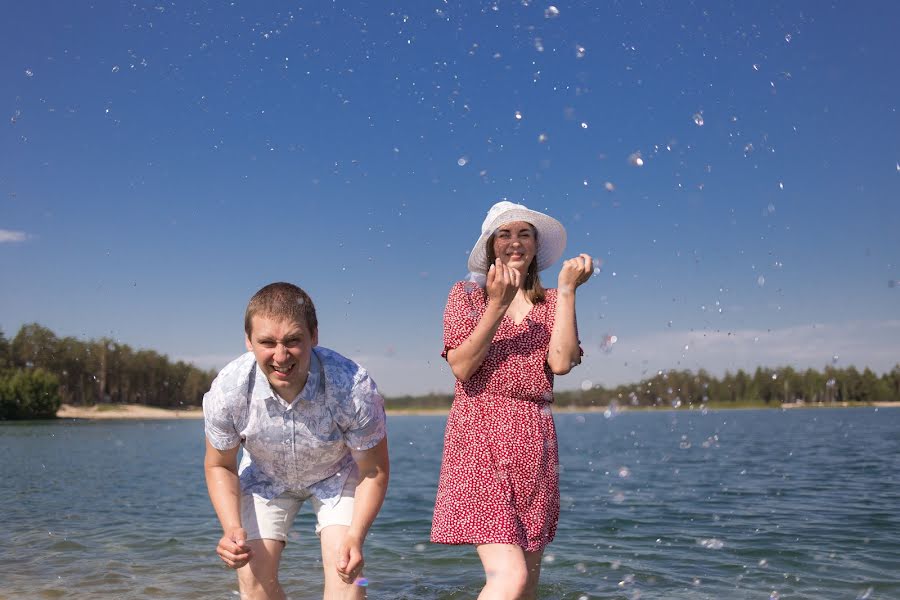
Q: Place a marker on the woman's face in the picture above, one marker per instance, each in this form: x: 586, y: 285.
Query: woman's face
x: 515, y: 244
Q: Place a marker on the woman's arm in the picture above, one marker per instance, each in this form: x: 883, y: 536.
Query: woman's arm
x: 564, y: 351
x: 502, y: 285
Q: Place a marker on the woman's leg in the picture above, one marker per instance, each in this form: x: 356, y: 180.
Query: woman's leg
x: 533, y: 564
x: 505, y: 572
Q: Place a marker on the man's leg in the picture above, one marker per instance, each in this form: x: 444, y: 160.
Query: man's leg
x: 267, y: 524
x: 258, y: 579
x: 335, y: 589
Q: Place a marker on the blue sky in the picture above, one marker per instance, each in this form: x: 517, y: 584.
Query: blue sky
x: 162, y: 161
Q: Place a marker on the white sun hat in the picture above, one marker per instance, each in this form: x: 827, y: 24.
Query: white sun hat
x: 551, y: 235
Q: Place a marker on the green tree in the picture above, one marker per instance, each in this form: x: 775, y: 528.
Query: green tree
x: 4, y: 351
x: 29, y: 394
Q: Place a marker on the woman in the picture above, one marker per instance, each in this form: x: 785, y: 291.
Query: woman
x: 499, y: 487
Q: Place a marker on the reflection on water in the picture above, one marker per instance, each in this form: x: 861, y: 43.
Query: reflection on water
x: 732, y: 504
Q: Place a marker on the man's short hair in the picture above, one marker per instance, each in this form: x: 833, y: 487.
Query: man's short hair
x: 281, y: 301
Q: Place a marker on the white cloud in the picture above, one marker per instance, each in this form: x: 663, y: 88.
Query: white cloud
x: 7, y: 235
x: 208, y: 361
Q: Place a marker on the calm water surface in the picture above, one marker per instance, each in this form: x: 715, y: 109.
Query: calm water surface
x: 731, y: 504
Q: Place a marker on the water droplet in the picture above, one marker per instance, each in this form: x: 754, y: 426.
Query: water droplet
x: 584, y: 125
x: 788, y: 38
x: 624, y: 472
x: 586, y: 385
x: 579, y: 51
x: 462, y: 161
x: 712, y: 543
x: 542, y: 137
x: 549, y: 558
x: 760, y: 281
x: 780, y: 185
x: 755, y: 67
x: 518, y: 115
x: 115, y: 69
x: 420, y: 547
x: 762, y: 562
x: 551, y: 13
x: 29, y: 73
x: 361, y: 582
x: 610, y: 186
x: 698, y: 119
x: 635, y: 160
x: 866, y: 594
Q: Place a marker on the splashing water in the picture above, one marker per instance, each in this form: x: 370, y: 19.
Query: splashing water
x: 698, y: 119
x: 608, y: 342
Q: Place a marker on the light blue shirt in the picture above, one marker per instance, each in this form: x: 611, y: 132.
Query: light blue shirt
x: 299, y: 446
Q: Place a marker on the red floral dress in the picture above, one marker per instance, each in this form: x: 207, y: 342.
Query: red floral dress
x: 499, y: 480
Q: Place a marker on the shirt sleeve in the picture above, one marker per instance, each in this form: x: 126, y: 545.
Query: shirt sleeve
x: 461, y: 314
x: 217, y: 419
x: 369, y: 424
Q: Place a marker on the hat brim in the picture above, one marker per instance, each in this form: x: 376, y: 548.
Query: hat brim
x: 551, y: 238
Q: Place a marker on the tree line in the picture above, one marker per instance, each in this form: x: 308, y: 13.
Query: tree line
x: 39, y: 371
x: 682, y: 389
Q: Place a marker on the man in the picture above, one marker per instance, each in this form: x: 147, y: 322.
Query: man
x: 312, y: 427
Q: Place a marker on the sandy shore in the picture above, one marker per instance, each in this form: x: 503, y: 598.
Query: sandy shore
x: 138, y: 411
x: 126, y: 411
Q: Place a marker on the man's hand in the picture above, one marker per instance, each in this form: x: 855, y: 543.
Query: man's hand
x: 350, y: 559
x: 233, y: 548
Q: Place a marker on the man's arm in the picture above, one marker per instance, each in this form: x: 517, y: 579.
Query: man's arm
x: 374, y: 471
x: 225, y: 493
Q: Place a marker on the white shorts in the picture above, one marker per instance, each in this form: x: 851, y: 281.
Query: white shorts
x: 272, y: 519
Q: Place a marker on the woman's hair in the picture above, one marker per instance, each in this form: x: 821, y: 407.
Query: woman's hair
x: 534, y: 291
x: 281, y: 301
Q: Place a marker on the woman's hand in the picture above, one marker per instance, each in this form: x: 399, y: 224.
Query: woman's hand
x: 574, y: 272
x: 502, y: 283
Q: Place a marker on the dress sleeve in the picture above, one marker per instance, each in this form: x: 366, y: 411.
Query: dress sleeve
x: 461, y: 314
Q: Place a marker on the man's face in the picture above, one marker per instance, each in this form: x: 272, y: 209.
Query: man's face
x: 282, y: 349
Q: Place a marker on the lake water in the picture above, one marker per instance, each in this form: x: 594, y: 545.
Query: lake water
x: 727, y: 504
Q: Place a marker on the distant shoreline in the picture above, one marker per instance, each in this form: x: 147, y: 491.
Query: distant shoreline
x: 139, y: 411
